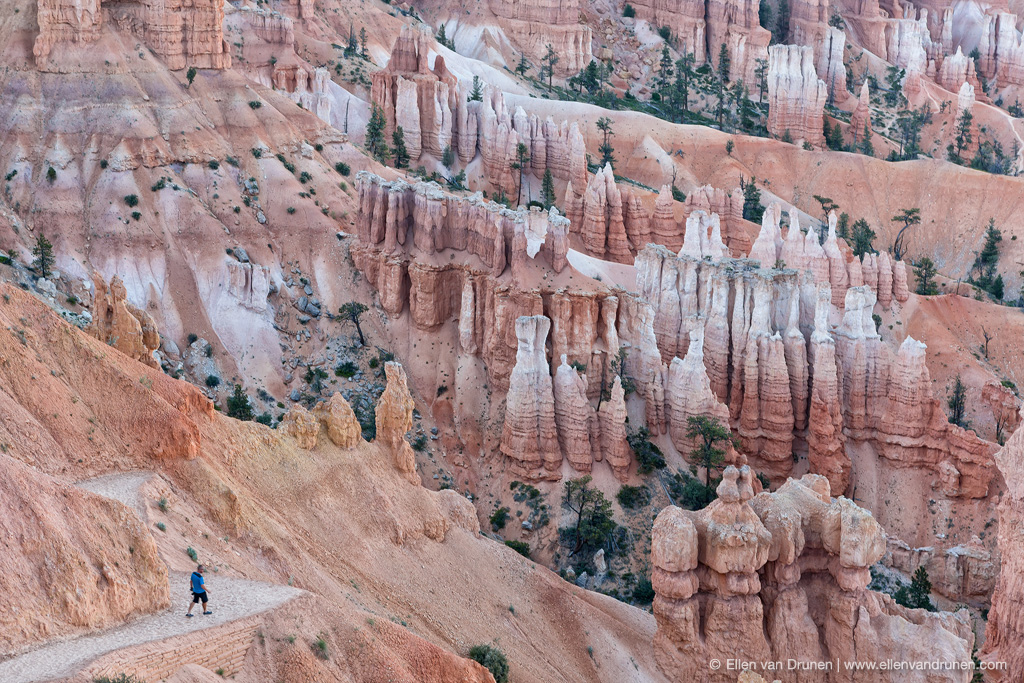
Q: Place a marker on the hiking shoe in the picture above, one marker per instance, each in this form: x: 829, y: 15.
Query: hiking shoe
x: 207, y: 612
x: 189, y: 615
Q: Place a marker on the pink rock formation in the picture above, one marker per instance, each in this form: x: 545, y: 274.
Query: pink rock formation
x: 688, y: 393
x: 900, y: 290
x: 614, y: 445
x: 663, y: 223
x: 337, y: 416
x: 885, y: 280
x: 419, y: 99
x: 825, y: 438
x: 791, y: 565
x: 796, y: 96
x: 301, y: 425
x: 1004, y: 634
x: 115, y: 321
x: 180, y: 33
x: 534, y: 25
x: 394, y: 419
x: 861, y: 116
x: 728, y: 206
x: 529, y: 437
x: 603, y: 227
x: 574, y: 417
x: 838, y: 275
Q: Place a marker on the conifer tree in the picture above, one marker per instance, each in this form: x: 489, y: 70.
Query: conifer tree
x: 401, y: 154
x: 548, y: 188
x: 604, y: 124
x: 376, y: 145
x: 724, y: 63
x: 550, y: 58
x: 476, y: 94
x: 43, y: 251
x: 523, y: 66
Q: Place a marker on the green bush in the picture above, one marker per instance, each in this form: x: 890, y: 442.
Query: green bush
x: 632, y: 497
x: 161, y: 526
x: 191, y: 552
x: 265, y: 419
x: 342, y: 168
x: 499, y: 518
x: 521, y: 547
x: 214, y: 164
x: 291, y: 210
x: 119, y: 678
x: 346, y: 369
x: 212, y: 381
x: 643, y: 592
x: 255, y: 104
x: 419, y: 444
x: 629, y: 12
x: 131, y: 200
x: 493, y: 660
x: 649, y: 457
x: 238, y: 405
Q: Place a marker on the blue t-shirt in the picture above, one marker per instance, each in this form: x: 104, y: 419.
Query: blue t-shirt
x: 197, y: 583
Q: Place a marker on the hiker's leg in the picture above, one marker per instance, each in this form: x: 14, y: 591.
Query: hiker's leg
x: 194, y: 601
x: 206, y: 601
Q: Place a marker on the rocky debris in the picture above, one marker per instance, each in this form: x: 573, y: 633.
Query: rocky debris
x: 118, y: 323
x: 301, y: 425
x: 394, y: 419
x: 181, y: 35
x: 337, y: 416
x: 796, y: 96
x: 747, y: 567
x: 529, y: 436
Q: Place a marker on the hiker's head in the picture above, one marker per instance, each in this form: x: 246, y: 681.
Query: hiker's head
x: 200, y: 569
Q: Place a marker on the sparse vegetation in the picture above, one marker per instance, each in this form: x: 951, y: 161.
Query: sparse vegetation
x: 492, y: 659
x: 352, y: 312
x: 633, y: 497
x: 238, y: 405
x: 521, y: 547
x: 499, y: 518
x: 43, y: 252
x: 649, y: 457
x: 957, y: 403
x: 593, y: 527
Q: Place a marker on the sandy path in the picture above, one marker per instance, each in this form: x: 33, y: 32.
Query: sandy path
x: 230, y: 599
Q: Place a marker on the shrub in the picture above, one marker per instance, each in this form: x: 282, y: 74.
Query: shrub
x: 163, y: 505
x: 136, y: 215
x: 643, y: 592
x: 346, y: 369
x: 342, y: 168
x: 209, y: 351
x: 255, y: 104
x: 633, y: 497
x: 104, y: 163
x: 131, y: 200
x: 320, y: 647
x: 305, y: 177
x: 493, y: 660
x: 419, y: 444
x: 521, y: 547
x: 499, y: 518
x: 648, y: 455
x: 214, y: 164
x: 665, y: 32
x: 191, y: 552
x: 161, y: 526
x: 158, y: 185
x: 192, y: 337
x: 51, y: 174
x: 629, y: 12
x: 238, y: 405
x: 72, y: 300
x: 291, y: 210
x: 119, y: 678
x: 265, y: 419
x: 257, y: 152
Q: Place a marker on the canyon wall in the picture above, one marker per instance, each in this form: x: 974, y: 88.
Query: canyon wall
x: 181, y: 33
x: 535, y: 25
x: 796, y: 96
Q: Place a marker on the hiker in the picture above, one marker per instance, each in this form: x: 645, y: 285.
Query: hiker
x: 198, y: 591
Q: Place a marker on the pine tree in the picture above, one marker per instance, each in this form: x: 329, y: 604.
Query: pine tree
x: 362, y: 42
x: 761, y: 73
x: 752, y: 209
x: 548, y: 188
x: 724, y: 63
x: 865, y: 145
x: 684, y: 80
x: 442, y: 38
x: 191, y: 74
x: 522, y: 158
x: 604, y: 124
x: 926, y: 277
x: 963, y: 137
x: 663, y: 79
x: 550, y: 59
x: 707, y: 433
x: 957, y: 403
x: 353, y: 44
x: 921, y: 590
x: 375, y: 143
x: 781, y: 32
x: 862, y: 236
x: 765, y: 15
x: 399, y: 150
x: 43, y: 251
x: 523, y: 66
x: 476, y: 94
x: 238, y: 405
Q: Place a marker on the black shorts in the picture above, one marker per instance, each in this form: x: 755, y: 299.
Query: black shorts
x: 196, y: 597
